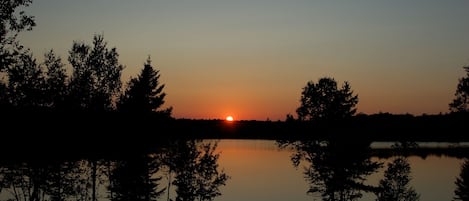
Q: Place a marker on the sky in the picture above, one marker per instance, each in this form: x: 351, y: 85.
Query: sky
x: 251, y: 58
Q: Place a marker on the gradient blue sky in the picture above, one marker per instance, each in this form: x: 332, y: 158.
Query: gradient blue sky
x: 251, y: 58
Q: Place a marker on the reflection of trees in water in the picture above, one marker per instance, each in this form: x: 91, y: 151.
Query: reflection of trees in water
x: 462, y: 183
x: 135, y: 177
x: 41, y: 180
x: 395, y: 184
x: 195, y: 170
x: 337, y: 170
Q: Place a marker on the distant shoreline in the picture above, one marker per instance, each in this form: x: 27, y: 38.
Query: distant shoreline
x: 62, y: 135
x: 115, y: 126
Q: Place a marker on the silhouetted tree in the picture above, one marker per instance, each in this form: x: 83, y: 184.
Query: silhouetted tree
x: 55, y: 80
x: 26, y: 83
x: 12, y: 22
x: 96, y: 75
x: 324, y: 101
x: 32, y: 86
x: 395, y: 185
x: 144, y: 94
x: 289, y: 118
x: 461, y: 101
x: 336, y: 169
x: 462, y: 183
x: 133, y: 180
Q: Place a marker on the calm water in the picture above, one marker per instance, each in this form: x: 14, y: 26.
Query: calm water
x: 233, y: 170
x: 260, y: 171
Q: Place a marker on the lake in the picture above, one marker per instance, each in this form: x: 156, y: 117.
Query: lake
x: 233, y: 170
x: 260, y: 171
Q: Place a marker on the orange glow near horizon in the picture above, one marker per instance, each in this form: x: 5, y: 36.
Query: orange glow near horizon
x: 247, y: 59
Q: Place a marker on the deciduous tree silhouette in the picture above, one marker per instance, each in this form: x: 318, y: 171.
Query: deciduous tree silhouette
x: 55, y: 80
x: 395, y: 185
x: 26, y: 83
x: 462, y: 183
x: 144, y: 94
x: 324, y: 101
x: 96, y: 75
x: 12, y: 22
x: 31, y: 86
x: 461, y: 101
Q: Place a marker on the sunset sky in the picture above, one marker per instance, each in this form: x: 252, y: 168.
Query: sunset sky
x: 251, y: 58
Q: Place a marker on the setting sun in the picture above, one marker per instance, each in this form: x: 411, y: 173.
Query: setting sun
x: 229, y: 118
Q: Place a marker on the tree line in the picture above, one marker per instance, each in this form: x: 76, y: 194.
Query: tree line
x: 95, y: 85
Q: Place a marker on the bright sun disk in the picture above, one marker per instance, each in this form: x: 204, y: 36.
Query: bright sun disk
x: 229, y: 118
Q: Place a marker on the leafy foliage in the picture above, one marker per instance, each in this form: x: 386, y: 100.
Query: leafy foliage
x: 25, y: 83
x: 461, y: 101
x: 325, y: 101
x: 12, y: 22
x: 96, y: 77
x: 55, y: 80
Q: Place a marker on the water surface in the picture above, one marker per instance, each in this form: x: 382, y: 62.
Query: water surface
x: 233, y: 170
